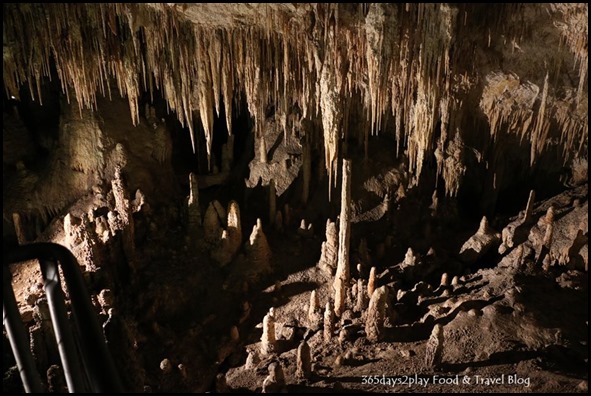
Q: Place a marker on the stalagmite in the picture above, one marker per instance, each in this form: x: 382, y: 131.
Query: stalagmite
x: 303, y: 361
x: 434, y: 349
x: 211, y: 225
x: 478, y: 244
x: 314, y: 311
x: 275, y: 381
x: 234, y: 228
x: 529, y: 208
x: 342, y: 272
x: 444, y: 279
x: 547, y: 242
x: 268, y: 339
x: 328, y: 323
x: 19, y: 229
x: 361, y: 301
x: 371, y: 283
x: 409, y: 259
x: 194, y: 211
x: 376, y: 313
x: 340, y: 294
x: 258, y: 250
x: 123, y: 207
x: 329, y: 250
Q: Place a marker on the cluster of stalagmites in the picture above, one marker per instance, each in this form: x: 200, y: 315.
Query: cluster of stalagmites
x: 554, y: 232
x: 220, y: 231
x: 86, y: 236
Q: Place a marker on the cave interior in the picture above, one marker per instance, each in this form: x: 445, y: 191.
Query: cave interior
x: 302, y: 197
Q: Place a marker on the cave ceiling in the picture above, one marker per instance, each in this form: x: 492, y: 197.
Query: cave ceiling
x: 443, y: 79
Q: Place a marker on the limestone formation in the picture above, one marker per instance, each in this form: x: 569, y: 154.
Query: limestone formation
x: 376, y: 314
x: 340, y: 296
x: 211, y: 225
x: 234, y: 228
x: 342, y: 271
x: 409, y: 259
x: 444, y: 279
x: 434, y: 349
x: 478, y: 244
x: 303, y: 361
x: 275, y: 381
x: 329, y: 250
x: 19, y: 229
x: 268, y: 340
x: 314, y: 312
x: 361, y: 300
x: 371, y: 283
x: 529, y: 208
x: 258, y: 250
x: 124, y: 211
x: 329, y: 324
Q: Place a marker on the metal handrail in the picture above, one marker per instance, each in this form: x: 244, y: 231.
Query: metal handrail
x: 93, y: 355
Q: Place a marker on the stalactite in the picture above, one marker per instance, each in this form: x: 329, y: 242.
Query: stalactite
x: 394, y: 60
